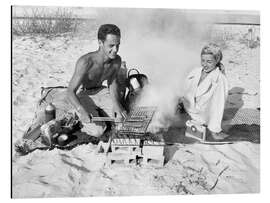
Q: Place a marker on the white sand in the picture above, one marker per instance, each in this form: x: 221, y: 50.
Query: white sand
x: 191, y: 169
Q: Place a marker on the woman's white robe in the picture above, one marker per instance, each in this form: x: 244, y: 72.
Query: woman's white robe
x: 205, y: 103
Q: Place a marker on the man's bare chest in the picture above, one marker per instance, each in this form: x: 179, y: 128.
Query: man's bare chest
x: 100, y: 73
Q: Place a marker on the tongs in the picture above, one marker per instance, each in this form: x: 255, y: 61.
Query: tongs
x: 115, y: 120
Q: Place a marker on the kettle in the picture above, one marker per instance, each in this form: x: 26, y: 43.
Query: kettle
x: 135, y: 83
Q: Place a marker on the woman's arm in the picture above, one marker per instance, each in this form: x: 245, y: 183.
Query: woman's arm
x: 217, y: 104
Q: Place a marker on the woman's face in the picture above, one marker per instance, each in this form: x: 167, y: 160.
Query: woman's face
x: 208, y: 62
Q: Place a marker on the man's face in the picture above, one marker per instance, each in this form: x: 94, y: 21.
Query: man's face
x: 110, y: 46
x: 208, y: 62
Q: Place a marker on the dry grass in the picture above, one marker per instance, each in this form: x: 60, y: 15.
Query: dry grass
x: 44, y: 23
x: 223, y: 37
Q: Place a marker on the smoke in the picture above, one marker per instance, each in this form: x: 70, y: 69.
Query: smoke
x: 163, y: 44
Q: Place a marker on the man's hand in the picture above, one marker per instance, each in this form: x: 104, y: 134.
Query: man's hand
x: 124, y: 114
x: 83, y: 115
x: 120, y: 113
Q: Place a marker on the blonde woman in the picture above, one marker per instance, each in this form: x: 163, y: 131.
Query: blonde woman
x: 206, y: 89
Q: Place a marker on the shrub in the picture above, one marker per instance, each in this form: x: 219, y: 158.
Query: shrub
x: 41, y: 22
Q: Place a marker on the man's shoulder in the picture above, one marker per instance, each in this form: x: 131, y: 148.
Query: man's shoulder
x: 86, y: 60
x: 87, y: 57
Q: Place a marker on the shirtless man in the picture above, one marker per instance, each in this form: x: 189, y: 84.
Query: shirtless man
x: 94, y: 68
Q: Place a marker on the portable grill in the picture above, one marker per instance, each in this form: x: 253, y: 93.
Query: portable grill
x: 133, y: 130
x: 137, y: 121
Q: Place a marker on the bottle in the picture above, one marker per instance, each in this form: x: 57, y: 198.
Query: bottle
x: 50, y: 112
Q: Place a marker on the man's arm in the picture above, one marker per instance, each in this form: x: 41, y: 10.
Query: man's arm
x: 81, y: 70
x: 114, y: 90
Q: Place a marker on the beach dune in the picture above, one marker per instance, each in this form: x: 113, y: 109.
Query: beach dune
x: 190, y: 168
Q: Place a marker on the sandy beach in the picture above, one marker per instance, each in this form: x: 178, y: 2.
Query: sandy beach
x: 190, y: 168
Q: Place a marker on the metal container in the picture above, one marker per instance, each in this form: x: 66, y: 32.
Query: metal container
x: 50, y: 112
x: 62, y: 139
x: 137, y: 80
x: 135, y: 84
x: 195, y: 130
x: 48, y: 130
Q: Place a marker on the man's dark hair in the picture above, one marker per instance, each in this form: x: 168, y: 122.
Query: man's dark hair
x: 106, y: 29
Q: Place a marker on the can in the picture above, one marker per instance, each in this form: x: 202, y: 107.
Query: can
x: 62, y: 139
x: 50, y: 112
x: 48, y: 130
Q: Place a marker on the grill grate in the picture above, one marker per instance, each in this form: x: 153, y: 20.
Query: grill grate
x: 133, y: 130
x: 137, y: 121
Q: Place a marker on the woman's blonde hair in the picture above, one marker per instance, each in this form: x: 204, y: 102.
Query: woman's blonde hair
x: 214, y: 50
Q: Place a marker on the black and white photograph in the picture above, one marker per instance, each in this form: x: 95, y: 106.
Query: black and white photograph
x: 110, y: 101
